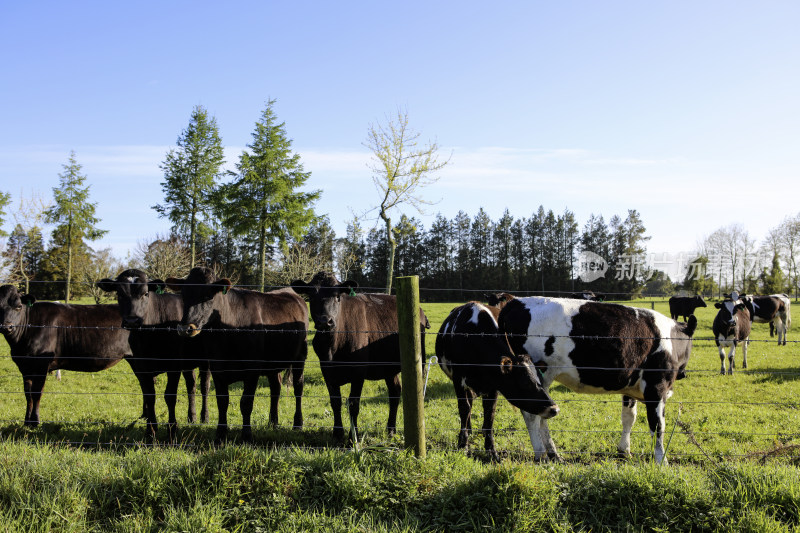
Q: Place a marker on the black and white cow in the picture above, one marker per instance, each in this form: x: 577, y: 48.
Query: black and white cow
x: 731, y: 327
x: 601, y: 348
x: 476, y: 356
x: 775, y: 309
x: 685, y: 305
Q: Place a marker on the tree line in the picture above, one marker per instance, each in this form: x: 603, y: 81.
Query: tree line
x: 260, y: 229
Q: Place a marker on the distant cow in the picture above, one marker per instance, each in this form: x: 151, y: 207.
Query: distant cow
x: 588, y: 295
x: 775, y: 309
x: 498, y: 300
x: 252, y: 334
x: 601, y: 348
x: 152, y: 317
x: 46, y: 336
x: 731, y: 327
x: 356, y: 340
x: 476, y: 356
x: 684, y: 306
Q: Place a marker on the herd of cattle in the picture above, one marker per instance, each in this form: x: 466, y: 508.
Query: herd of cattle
x: 511, y: 346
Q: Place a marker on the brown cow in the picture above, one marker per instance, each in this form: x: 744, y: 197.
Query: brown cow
x: 356, y: 340
x: 252, y: 334
x: 47, y: 336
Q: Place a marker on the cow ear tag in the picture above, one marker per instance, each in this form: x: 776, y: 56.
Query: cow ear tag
x: 160, y: 290
x: 352, y: 292
x: 225, y: 290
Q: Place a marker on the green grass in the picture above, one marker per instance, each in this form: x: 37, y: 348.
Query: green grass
x: 733, y: 456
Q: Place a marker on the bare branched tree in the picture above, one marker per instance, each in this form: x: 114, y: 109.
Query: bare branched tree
x: 102, y: 265
x: 400, y: 170
x: 163, y: 257
x: 299, y: 262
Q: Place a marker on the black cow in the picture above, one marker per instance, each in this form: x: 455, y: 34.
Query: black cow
x: 731, y: 327
x: 684, y: 306
x: 775, y: 309
x: 46, y: 336
x: 356, y: 340
x: 152, y: 316
x: 477, y: 358
x: 251, y: 334
x: 601, y: 348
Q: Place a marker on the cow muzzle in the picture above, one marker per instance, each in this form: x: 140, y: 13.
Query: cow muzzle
x: 190, y: 330
x: 131, y: 322
x: 550, y: 412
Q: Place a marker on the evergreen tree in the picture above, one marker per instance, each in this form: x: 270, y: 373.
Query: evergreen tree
x: 5, y: 199
x: 263, y: 201
x: 24, y: 254
x: 75, y: 217
x: 320, y: 240
x: 773, y: 280
x: 191, y: 174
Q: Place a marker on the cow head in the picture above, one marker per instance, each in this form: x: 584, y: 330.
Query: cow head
x: 12, y: 307
x: 203, y: 295
x: 521, y: 386
x: 324, y: 294
x: 133, y: 295
x: 729, y: 314
x: 498, y: 299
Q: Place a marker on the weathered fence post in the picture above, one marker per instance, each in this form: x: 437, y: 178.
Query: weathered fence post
x: 411, y: 363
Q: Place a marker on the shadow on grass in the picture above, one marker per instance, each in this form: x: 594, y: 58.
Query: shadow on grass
x: 775, y: 375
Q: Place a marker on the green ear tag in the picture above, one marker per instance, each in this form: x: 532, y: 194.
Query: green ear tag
x: 30, y: 304
x: 352, y: 291
x: 225, y: 290
x: 159, y: 290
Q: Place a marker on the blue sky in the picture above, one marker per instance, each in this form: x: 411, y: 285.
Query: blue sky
x: 685, y: 111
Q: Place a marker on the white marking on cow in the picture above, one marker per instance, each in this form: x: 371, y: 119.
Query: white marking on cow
x: 628, y: 418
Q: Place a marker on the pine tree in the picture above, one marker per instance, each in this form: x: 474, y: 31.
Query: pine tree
x: 5, y: 199
x: 191, y: 174
x: 75, y: 216
x: 264, y: 201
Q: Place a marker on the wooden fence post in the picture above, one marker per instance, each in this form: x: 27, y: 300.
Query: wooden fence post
x: 411, y: 363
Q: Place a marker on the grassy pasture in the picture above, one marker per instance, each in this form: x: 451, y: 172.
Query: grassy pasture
x: 733, y: 455
x: 709, y: 417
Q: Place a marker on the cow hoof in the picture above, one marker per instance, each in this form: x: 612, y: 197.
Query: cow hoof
x: 623, y: 454
x: 493, y: 456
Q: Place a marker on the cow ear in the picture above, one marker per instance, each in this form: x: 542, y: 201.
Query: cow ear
x: 28, y: 299
x: 108, y: 285
x: 157, y: 286
x: 224, y: 285
x: 691, y: 326
x: 348, y: 286
x: 506, y: 365
x: 718, y: 305
x: 175, y: 284
x: 301, y: 287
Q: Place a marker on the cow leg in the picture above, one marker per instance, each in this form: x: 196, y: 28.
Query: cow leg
x: 335, y: 393
x: 465, y: 397
x: 274, y: 379
x: 655, y: 419
x: 191, y: 388
x: 298, y: 382
x: 731, y: 356
x: 489, y: 405
x: 628, y: 418
x: 223, y: 399
x: 744, y: 352
x: 171, y: 399
x: 248, y: 397
x: 205, y: 387
x: 33, y: 385
x: 395, y: 390
x: 147, y: 382
x: 354, y: 405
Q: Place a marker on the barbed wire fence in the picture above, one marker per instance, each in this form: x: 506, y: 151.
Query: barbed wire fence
x: 587, y: 442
